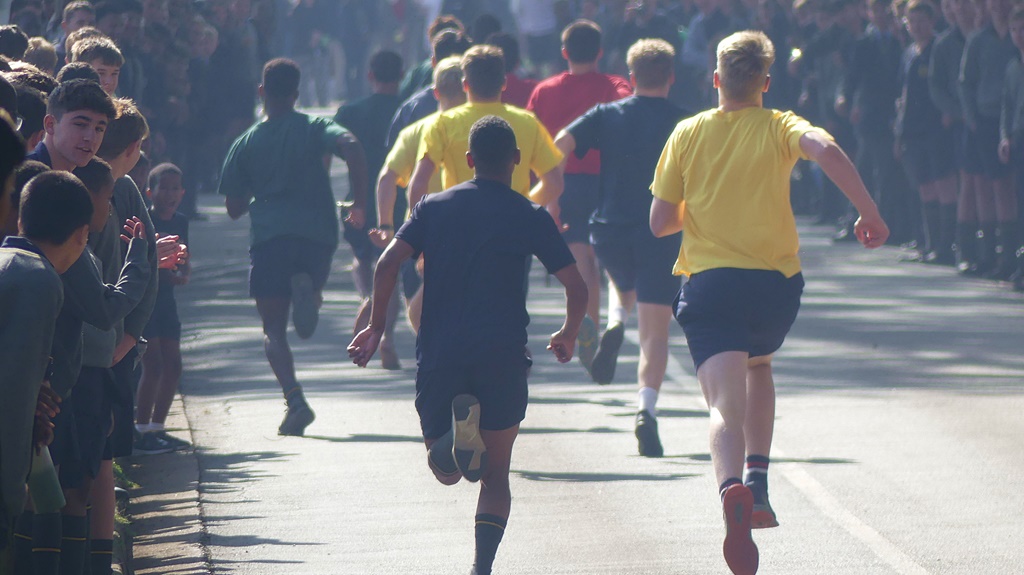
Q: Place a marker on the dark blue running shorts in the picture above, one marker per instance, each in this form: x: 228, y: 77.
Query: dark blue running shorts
x: 576, y: 204
x: 729, y: 309
x: 164, y: 321
x: 498, y: 380
x: 276, y: 260
x: 638, y: 261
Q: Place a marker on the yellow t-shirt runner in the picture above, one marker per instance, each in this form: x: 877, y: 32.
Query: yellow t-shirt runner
x: 446, y: 142
x: 730, y: 171
x: 403, y: 156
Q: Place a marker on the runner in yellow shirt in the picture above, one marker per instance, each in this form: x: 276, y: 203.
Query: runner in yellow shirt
x: 445, y: 142
x: 723, y: 179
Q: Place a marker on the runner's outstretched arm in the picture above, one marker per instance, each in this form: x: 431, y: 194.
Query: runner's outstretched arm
x: 387, y: 194
x: 365, y: 343
x: 563, y: 342
x: 419, y: 184
x: 870, y: 227
x: 666, y: 218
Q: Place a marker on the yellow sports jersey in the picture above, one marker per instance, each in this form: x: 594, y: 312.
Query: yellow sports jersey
x: 402, y: 158
x: 446, y: 142
x: 730, y: 171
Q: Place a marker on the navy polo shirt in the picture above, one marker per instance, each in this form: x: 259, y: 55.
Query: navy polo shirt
x: 630, y: 134
x: 475, y: 239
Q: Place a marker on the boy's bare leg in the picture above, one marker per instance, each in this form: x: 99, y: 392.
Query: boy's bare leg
x: 149, y: 383
x: 723, y: 379
x: 759, y: 424
x: 586, y: 262
x: 170, y: 377
x: 653, y: 320
x: 415, y: 309
x: 274, y: 312
x: 495, y: 499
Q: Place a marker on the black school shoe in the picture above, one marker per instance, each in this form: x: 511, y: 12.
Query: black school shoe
x: 648, y: 442
x: 468, y: 447
x: 602, y: 369
x: 296, y: 420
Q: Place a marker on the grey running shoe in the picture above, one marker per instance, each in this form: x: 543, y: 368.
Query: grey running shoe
x: 151, y: 444
x: 648, y: 442
x: 177, y: 443
x: 586, y: 341
x: 296, y: 420
x: 468, y: 447
x: 763, y: 516
x: 305, y: 312
x: 602, y: 369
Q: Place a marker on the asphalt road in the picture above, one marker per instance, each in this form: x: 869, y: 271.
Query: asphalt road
x: 898, y: 443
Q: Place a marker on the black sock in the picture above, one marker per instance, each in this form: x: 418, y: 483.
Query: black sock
x: 727, y: 484
x: 23, y: 543
x: 757, y: 470
x: 294, y: 396
x: 73, y: 545
x: 489, y: 529
x: 46, y: 533
x: 101, y: 555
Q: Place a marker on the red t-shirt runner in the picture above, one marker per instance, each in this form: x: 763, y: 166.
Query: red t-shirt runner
x: 560, y: 99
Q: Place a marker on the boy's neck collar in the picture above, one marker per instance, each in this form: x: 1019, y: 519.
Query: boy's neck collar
x: 57, y: 162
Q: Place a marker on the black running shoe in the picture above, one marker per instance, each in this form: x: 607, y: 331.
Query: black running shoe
x: 602, y: 369
x: 468, y: 446
x: 296, y: 420
x: 648, y: 442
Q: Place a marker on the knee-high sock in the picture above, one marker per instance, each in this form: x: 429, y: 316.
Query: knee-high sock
x: 489, y: 530
x: 46, y: 543
x: 101, y: 555
x: 23, y: 543
x: 73, y: 545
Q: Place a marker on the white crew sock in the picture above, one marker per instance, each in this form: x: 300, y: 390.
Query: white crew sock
x: 143, y: 427
x: 648, y: 400
x: 154, y: 426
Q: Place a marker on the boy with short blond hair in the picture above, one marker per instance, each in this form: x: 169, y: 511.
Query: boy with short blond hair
x: 739, y: 250
x: 630, y: 135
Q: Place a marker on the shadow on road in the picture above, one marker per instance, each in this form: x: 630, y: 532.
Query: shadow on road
x: 598, y: 477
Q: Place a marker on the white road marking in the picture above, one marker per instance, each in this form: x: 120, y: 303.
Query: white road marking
x: 686, y: 382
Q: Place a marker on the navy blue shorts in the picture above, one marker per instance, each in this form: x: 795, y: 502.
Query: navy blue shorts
x: 729, y: 309
x: 576, y: 204
x: 498, y: 380
x: 928, y: 160
x: 164, y: 321
x: 971, y: 154
x: 988, y: 149
x: 82, y: 428
x: 276, y: 260
x: 637, y: 261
